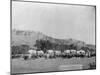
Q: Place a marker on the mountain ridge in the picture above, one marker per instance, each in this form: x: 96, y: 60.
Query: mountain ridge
x: 29, y: 37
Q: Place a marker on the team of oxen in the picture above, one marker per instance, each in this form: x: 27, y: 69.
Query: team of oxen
x: 56, y: 53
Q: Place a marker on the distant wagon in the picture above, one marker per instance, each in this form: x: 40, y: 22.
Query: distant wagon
x: 67, y: 53
x: 57, y: 53
x: 80, y: 53
x: 73, y: 52
x: 30, y: 54
x: 40, y: 53
x: 49, y: 54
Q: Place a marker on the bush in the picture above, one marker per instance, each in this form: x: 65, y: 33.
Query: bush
x: 16, y: 56
x: 92, y: 65
x: 22, y: 49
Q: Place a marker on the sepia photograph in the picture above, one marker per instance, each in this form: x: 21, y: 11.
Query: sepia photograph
x: 52, y: 37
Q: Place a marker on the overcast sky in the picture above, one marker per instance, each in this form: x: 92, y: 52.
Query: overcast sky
x: 56, y: 20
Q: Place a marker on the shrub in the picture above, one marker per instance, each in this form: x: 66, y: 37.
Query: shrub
x: 92, y: 65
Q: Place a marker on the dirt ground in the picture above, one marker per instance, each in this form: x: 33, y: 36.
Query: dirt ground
x: 43, y: 65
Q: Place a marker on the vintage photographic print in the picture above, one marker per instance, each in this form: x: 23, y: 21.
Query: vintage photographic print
x: 52, y: 37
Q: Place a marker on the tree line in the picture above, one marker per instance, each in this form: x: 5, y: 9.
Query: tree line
x: 44, y: 45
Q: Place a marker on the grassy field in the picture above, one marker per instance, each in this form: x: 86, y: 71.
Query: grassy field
x: 44, y: 65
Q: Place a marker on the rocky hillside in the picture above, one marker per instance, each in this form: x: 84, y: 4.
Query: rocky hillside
x: 29, y: 37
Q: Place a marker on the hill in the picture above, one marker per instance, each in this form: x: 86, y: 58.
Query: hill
x: 29, y: 37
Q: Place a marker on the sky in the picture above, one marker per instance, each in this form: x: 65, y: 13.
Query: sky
x: 55, y: 20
